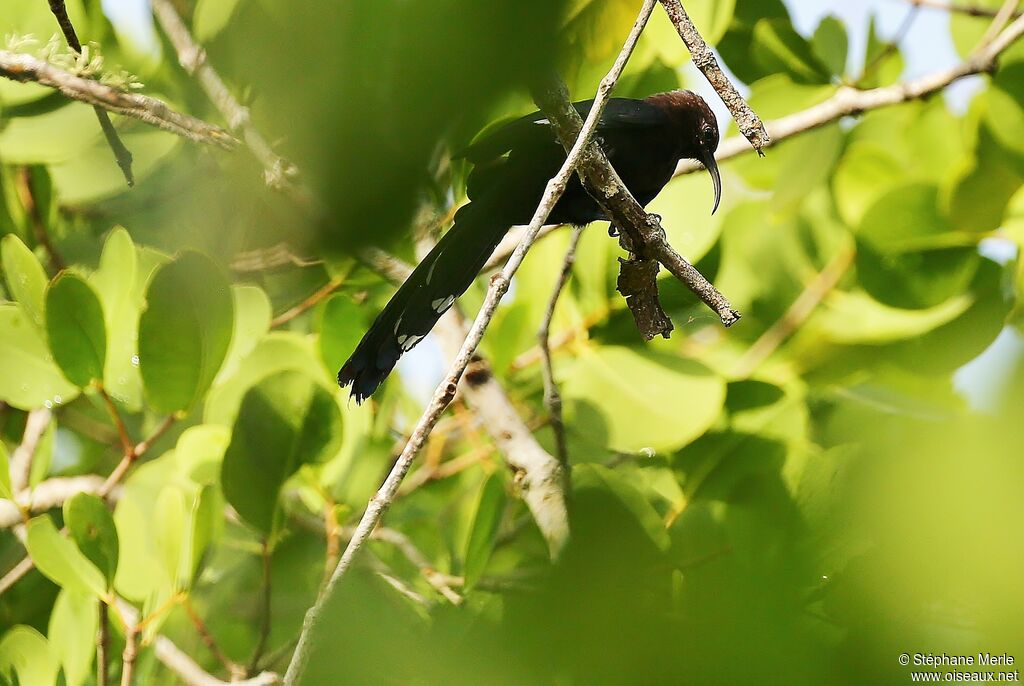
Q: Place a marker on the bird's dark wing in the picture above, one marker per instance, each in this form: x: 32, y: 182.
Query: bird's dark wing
x: 618, y: 114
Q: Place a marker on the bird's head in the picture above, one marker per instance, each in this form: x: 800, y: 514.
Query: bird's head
x: 696, y: 130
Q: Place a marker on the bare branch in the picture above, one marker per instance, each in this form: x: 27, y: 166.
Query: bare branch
x: 47, y: 495
x: 21, y: 461
x: 552, y: 398
x: 19, y: 67
x: 750, y: 124
x: 278, y: 172
x: 121, y: 153
x: 851, y: 101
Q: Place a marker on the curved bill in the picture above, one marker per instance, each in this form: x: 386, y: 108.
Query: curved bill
x: 712, y: 166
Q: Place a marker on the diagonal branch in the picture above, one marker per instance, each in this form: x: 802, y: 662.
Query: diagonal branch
x: 704, y: 59
x: 969, y: 10
x: 446, y: 389
x: 121, y: 153
x: 851, y: 101
x: 20, y: 67
x: 278, y: 172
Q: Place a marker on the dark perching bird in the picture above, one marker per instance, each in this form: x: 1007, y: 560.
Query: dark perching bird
x: 644, y: 140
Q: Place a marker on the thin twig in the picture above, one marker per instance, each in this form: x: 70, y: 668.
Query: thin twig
x: 405, y: 545
x: 1002, y: 18
x: 131, y: 652
x: 891, y: 46
x: 121, y: 153
x: 46, y: 495
x: 798, y: 313
x: 21, y: 460
x: 552, y: 398
x: 310, y: 302
x: 102, y: 646
x: 958, y: 8
x: 127, y: 446
x: 278, y: 172
x: 446, y: 389
x: 28, y: 200
x: 851, y: 101
x: 208, y: 640
x: 15, y: 574
x: 749, y: 123
x: 20, y: 67
x: 264, y: 635
x: 133, y: 453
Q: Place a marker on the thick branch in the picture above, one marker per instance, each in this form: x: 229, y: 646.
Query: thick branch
x: 750, y: 124
x: 47, y: 495
x: 851, y: 101
x: 155, y: 112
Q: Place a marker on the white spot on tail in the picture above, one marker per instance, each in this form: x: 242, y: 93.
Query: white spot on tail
x: 408, y: 342
x: 441, y: 305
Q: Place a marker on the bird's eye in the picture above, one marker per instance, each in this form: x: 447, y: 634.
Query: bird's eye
x: 707, y: 136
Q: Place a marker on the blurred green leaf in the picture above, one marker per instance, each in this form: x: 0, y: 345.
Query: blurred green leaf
x: 75, y: 329
x: 60, y: 560
x: 685, y: 208
x: 5, y: 474
x: 830, y: 44
x: 210, y: 17
x: 779, y: 48
x: 341, y: 327
x: 25, y: 278
x: 276, y: 352
x: 171, y: 530
x: 252, y: 321
x: 92, y: 528
x: 285, y: 421
x: 28, y: 377
x: 75, y: 620
x: 184, y: 332
x: 630, y: 400
x: 595, y: 476
x: 489, y: 510
x: 904, y: 258
x: 737, y: 44
x: 883, y: 63
x: 27, y: 656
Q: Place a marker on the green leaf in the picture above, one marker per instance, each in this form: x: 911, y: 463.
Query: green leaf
x: 630, y: 400
x: 121, y: 282
x: 185, y: 331
x: 5, y: 474
x: 25, y: 278
x: 595, y: 476
x: 855, y: 318
x: 285, y: 421
x: 74, y: 620
x: 252, y: 321
x: 210, y: 17
x: 883, y: 65
x: 75, y: 328
x: 170, y: 530
x: 61, y: 561
x: 341, y: 327
x: 904, y: 257
x: 830, y: 44
x: 490, y: 507
x: 91, y: 526
x: 779, y: 48
x: 27, y: 654
x: 28, y: 377
x: 278, y: 351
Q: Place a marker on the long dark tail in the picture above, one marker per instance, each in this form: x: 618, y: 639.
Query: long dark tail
x: 430, y: 290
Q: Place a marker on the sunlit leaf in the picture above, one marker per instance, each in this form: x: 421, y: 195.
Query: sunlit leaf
x: 92, y: 528
x: 489, y: 510
x: 29, y: 378
x: 26, y: 656
x: 60, y: 559
x: 184, y: 332
x: 76, y: 329
x: 25, y: 278
x: 74, y: 620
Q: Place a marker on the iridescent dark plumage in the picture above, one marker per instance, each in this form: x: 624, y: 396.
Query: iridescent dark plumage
x: 644, y: 139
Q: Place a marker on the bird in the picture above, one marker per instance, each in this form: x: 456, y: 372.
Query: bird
x: 644, y: 141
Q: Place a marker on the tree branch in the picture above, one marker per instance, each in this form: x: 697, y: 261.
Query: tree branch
x: 121, y: 153
x: 749, y: 123
x: 278, y: 172
x: 19, y: 67
x: 552, y: 398
x: 46, y: 496
x: 851, y: 101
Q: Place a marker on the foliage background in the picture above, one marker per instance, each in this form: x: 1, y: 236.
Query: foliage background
x: 803, y: 518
